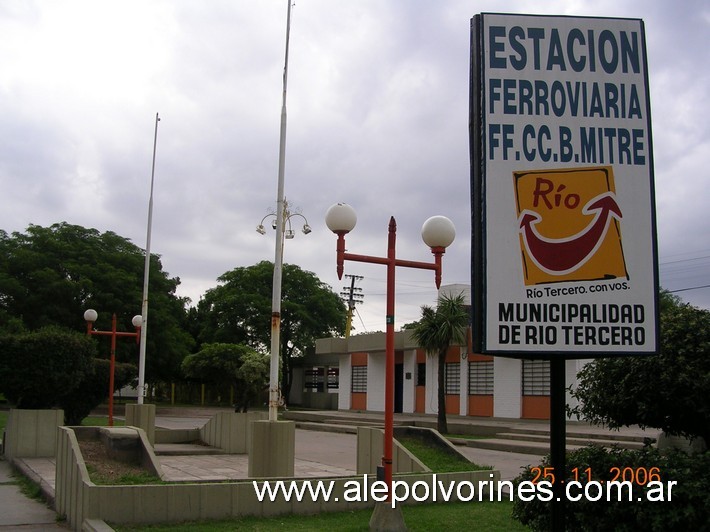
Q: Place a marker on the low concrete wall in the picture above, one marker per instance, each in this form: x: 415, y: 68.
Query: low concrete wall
x: 320, y: 400
x: 272, y: 451
x: 370, y: 449
x: 231, y: 431
x: 431, y: 437
x: 176, y: 435
x: 143, y: 417
x: 32, y: 433
x: 79, y: 499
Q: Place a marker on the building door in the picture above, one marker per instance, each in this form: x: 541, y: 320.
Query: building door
x: 398, y: 387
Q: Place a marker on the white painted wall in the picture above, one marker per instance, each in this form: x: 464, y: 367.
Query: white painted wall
x: 463, y: 393
x: 409, y: 388
x: 507, y: 384
x: 376, y: 382
x: 345, y: 383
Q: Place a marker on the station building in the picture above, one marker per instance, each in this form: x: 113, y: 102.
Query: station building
x: 349, y: 374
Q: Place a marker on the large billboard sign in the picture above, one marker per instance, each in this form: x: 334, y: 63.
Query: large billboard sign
x: 564, y: 245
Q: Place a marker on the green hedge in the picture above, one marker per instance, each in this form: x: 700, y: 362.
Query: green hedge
x: 687, y: 509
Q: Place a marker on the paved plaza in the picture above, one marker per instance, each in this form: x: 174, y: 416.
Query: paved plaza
x: 317, y: 454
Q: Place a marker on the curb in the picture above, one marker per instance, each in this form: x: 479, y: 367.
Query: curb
x: 45, y: 489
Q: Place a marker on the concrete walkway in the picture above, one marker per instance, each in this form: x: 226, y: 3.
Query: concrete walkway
x: 319, y: 453
x: 18, y: 512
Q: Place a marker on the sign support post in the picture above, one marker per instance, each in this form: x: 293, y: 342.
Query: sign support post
x: 564, y: 250
x: 558, y: 435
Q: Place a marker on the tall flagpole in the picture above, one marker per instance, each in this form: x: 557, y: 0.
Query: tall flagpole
x: 146, y: 276
x: 274, y: 390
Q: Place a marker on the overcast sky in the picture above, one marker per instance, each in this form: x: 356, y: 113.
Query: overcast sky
x: 377, y: 118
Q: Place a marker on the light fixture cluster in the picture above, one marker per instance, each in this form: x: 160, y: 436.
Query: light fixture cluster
x: 288, y: 232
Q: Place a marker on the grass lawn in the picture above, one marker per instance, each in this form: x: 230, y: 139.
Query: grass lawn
x: 101, y: 421
x: 489, y: 516
x: 437, y: 460
x: 469, y: 436
x: 91, y: 421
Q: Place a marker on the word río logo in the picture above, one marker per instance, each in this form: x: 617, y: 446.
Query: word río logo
x: 569, y: 225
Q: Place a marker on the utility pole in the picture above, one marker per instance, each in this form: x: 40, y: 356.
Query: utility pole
x: 352, y: 297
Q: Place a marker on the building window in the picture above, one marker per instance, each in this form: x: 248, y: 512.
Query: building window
x: 359, y: 379
x: 536, y: 377
x: 333, y: 378
x: 452, y: 378
x: 421, y: 374
x: 480, y: 377
x: 315, y: 379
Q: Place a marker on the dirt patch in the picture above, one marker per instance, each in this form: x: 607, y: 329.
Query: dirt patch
x: 106, y: 470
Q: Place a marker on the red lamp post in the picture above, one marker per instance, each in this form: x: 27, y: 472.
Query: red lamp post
x: 438, y: 233
x: 90, y: 316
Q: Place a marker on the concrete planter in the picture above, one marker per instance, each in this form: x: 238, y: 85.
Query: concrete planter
x: 86, y: 504
x: 32, y: 433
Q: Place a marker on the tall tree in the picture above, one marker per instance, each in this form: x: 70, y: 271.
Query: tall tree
x: 668, y: 391
x: 239, y: 311
x: 231, y: 364
x: 437, y: 330
x: 51, y: 275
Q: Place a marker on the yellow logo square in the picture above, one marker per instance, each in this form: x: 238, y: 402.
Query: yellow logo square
x: 569, y: 224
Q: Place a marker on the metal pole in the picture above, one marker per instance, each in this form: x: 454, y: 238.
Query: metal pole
x: 146, y: 275
x: 278, y: 254
x: 112, y: 368
x: 389, y: 357
x: 557, y: 441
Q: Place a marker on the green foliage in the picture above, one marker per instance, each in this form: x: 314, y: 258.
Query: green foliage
x: 668, y: 391
x: 94, y: 389
x: 238, y: 311
x: 437, y: 330
x: 51, y: 275
x: 488, y: 516
x: 436, y: 459
x: 230, y: 364
x: 40, y: 369
x: 687, y: 509
x: 57, y: 368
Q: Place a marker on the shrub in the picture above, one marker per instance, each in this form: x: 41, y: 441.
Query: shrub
x: 93, y: 389
x: 687, y: 509
x: 57, y: 368
x: 38, y: 369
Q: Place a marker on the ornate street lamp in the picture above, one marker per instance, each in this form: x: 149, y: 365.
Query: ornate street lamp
x: 284, y: 232
x: 91, y: 316
x: 438, y: 233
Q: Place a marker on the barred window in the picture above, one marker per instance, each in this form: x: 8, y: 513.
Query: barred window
x: 452, y: 378
x: 333, y: 378
x: 536, y: 377
x: 421, y: 374
x: 359, y: 379
x: 480, y: 377
x: 314, y: 379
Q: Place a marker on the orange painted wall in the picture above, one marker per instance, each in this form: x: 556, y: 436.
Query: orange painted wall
x: 420, y: 399
x: 358, y: 401
x: 476, y: 357
x: 480, y: 405
x: 536, y: 407
x: 453, y: 355
x: 453, y: 404
x: 358, y: 359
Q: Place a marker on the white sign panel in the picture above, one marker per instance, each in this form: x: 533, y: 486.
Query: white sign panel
x: 564, y: 247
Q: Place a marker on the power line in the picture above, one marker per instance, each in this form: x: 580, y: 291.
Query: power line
x: 691, y: 288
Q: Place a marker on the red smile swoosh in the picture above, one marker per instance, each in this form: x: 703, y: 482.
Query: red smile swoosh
x: 564, y: 255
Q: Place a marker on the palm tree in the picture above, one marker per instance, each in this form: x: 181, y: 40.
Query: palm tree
x: 437, y: 330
